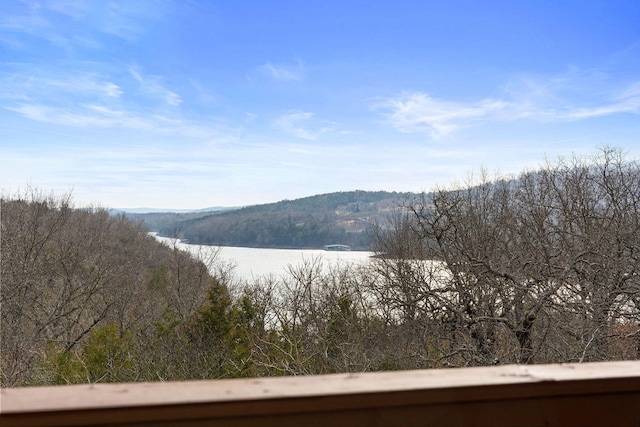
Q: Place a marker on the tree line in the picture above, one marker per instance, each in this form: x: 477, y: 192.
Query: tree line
x: 539, y: 268
x: 310, y: 222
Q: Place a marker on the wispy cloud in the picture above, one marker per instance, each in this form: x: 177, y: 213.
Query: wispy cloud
x: 574, y: 95
x: 76, y: 9
x: 29, y: 22
x: 71, y: 25
x: 98, y: 116
x: 92, y: 100
x: 283, y: 72
x: 304, y: 125
x: 88, y: 84
x: 627, y: 101
x: 85, y: 116
x: 129, y: 19
x: 419, y: 112
x: 563, y: 98
x: 63, y: 86
x: 34, y: 85
x: 152, y: 85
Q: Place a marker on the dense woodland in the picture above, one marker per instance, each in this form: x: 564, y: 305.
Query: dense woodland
x: 311, y: 222
x: 540, y: 268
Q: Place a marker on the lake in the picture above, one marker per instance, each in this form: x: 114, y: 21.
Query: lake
x: 255, y: 262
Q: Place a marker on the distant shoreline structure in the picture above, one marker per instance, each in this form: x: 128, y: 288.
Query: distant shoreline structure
x: 337, y: 247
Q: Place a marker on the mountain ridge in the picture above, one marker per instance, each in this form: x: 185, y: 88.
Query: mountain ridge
x: 146, y: 210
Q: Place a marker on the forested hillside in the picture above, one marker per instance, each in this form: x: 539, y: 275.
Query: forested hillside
x: 310, y: 222
x: 82, y: 289
x: 544, y: 268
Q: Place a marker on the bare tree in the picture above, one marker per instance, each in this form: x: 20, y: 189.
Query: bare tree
x: 67, y: 272
x: 539, y: 268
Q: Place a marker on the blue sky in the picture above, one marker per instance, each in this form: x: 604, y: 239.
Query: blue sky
x: 189, y: 104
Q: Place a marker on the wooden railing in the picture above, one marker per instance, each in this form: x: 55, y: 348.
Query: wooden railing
x: 539, y: 395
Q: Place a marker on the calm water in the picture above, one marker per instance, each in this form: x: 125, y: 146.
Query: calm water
x: 252, y: 262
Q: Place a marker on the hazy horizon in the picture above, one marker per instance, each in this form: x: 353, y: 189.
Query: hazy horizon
x: 186, y: 105
x: 152, y: 209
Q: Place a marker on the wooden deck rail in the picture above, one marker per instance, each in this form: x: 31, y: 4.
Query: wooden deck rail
x: 540, y: 395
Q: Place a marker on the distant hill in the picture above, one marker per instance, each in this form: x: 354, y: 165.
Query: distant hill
x: 160, y: 210
x: 310, y: 222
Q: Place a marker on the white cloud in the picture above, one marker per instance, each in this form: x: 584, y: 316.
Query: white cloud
x: 122, y: 19
x: 551, y: 100
x: 78, y: 85
x: 575, y: 95
x: 85, y: 116
x: 627, y: 101
x: 88, y: 84
x: 78, y: 24
x: 152, y: 85
x: 283, y: 72
x: 303, y: 125
x: 93, y: 100
x: 99, y: 116
x: 419, y: 112
x: 112, y: 89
